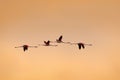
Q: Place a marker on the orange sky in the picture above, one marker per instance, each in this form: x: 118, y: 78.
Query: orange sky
x: 33, y: 21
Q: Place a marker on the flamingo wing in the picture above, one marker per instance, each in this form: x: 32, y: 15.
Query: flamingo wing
x: 33, y: 46
x: 48, y: 42
x: 60, y: 38
x: 83, y: 46
x: 45, y: 42
x: 18, y: 46
x: 25, y: 48
x: 79, y: 46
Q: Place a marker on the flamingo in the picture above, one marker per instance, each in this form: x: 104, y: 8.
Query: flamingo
x: 47, y: 43
x: 59, y: 40
x: 81, y: 45
x: 25, y: 47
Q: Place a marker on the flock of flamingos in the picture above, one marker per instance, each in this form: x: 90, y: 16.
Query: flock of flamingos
x: 59, y: 40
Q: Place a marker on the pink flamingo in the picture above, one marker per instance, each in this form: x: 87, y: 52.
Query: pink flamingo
x: 59, y: 40
x: 47, y: 43
x: 81, y: 45
x: 25, y: 47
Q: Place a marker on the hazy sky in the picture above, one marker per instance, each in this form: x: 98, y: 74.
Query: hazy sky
x: 33, y: 21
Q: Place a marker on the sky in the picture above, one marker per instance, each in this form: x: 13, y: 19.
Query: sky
x: 33, y: 21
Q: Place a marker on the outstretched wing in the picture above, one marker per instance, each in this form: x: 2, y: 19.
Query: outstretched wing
x: 67, y: 43
x: 72, y: 43
x: 18, y: 46
x: 33, y: 46
x: 52, y: 41
x: 88, y: 44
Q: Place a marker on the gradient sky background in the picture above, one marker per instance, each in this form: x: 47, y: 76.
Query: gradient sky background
x: 33, y: 21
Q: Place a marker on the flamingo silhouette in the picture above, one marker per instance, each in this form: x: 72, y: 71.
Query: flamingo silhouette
x: 47, y: 43
x: 25, y: 47
x: 81, y: 45
x: 59, y: 40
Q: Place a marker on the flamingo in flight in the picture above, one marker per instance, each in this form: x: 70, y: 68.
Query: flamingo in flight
x: 59, y: 40
x: 47, y: 43
x: 25, y: 47
x: 81, y: 45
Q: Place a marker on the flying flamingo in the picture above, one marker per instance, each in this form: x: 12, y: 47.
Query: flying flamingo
x: 59, y: 40
x: 46, y: 43
x: 25, y: 47
x: 81, y: 45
